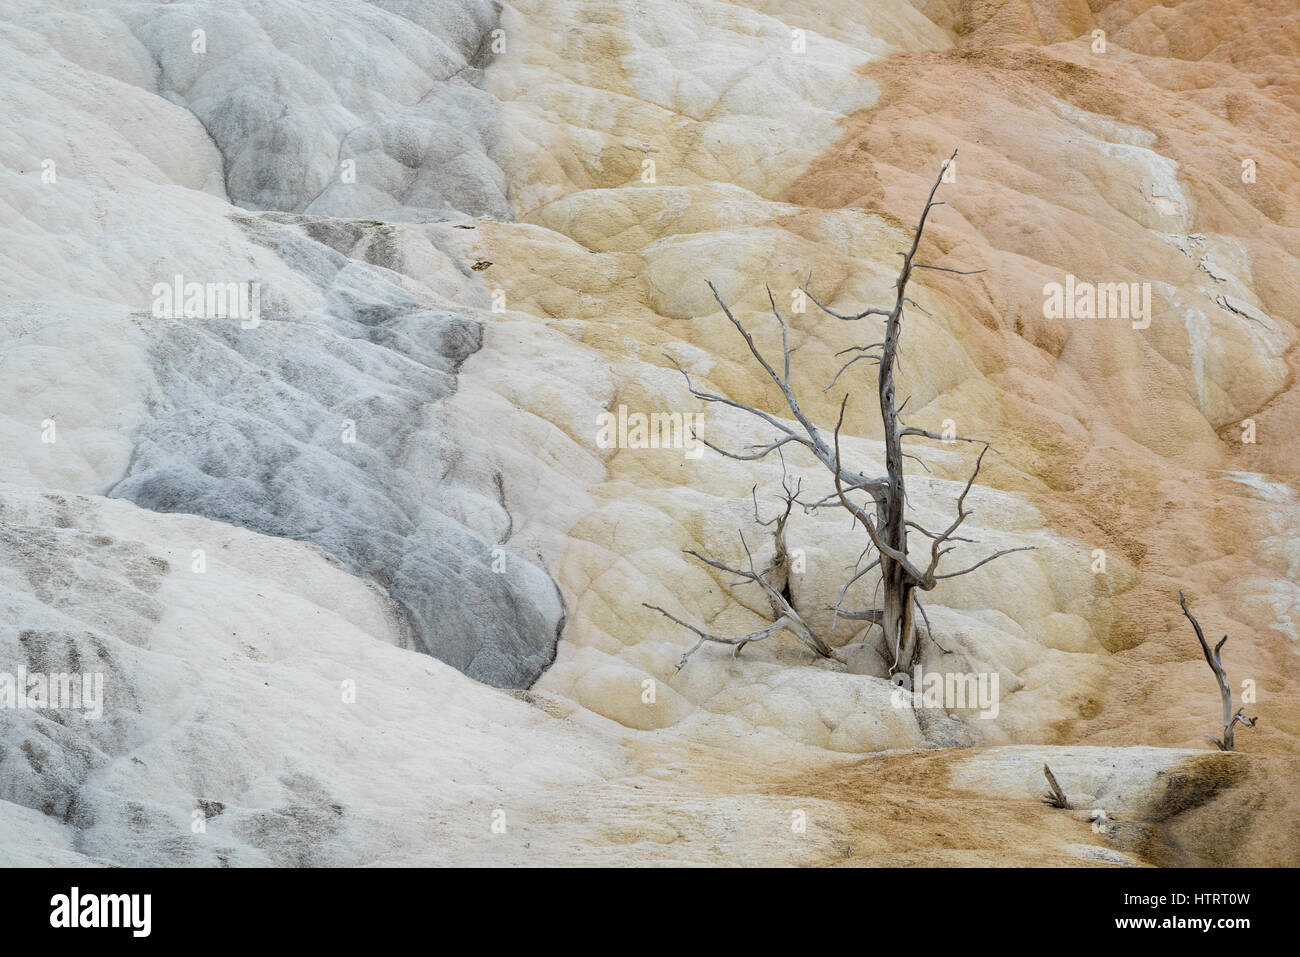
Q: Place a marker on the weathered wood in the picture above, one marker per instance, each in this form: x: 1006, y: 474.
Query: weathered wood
x: 1056, y: 797
x: 773, y: 580
x: 900, y: 578
x: 884, y: 519
x: 1230, y: 718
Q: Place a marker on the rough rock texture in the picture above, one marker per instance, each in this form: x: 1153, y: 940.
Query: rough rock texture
x: 477, y: 226
x: 250, y: 425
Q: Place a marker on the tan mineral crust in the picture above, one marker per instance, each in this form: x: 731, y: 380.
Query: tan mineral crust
x: 772, y: 163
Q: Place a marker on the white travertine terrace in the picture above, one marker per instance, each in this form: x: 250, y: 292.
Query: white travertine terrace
x: 431, y: 565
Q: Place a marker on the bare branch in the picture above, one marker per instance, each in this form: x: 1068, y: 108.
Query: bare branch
x: 947, y: 535
x: 785, y: 344
x: 942, y: 438
x: 846, y: 365
x: 832, y: 312
x: 874, y: 345
x: 714, y: 563
x: 813, y: 440
x: 918, y: 461
x: 713, y: 397
x: 844, y: 591
x: 762, y: 453
x: 868, y: 614
x: 959, y: 272
x: 984, y: 561
x: 943, y: 536
x: 928, y: 630
x: 738, y: 643
x: 929, y: 534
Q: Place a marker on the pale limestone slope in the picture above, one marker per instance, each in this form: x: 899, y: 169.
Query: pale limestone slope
x: 769, y: 164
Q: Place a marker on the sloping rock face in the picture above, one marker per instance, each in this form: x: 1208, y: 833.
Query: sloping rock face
x: 289, y: 91
x: 301, y: 544
x: 312, y: 420
x: 261, y: 431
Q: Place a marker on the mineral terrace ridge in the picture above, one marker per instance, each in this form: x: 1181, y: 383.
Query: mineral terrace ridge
x: 368, y: 564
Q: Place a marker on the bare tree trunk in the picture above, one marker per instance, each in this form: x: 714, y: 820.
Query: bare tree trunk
x: 898, y: 577
x: 1056, y: 797
x: 897, y: 594
x: 1230, y: 718
x: 909, y: 649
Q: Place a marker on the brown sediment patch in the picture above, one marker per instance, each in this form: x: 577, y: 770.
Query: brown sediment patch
x: 902, y: 811
x: 1220, y: 810
x: 1213, y: 810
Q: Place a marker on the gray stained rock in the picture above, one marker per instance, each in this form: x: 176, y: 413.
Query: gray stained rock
x: 251, y: 431
x: 390, y: 90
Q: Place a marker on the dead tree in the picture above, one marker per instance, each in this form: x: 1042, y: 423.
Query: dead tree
x: 1230, y: 718
x: 774, y: 580
x: 884, y: 519
x: 1055, y: 797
